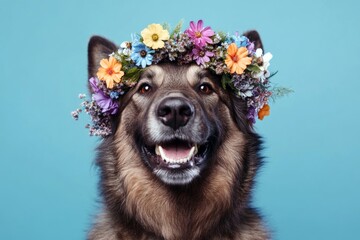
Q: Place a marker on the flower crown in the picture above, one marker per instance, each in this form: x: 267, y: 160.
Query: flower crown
x: 243, y: 68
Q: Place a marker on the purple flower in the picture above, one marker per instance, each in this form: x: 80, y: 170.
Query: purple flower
x: 200, y: 35
x: 94, y: 84
x: 201, y: 56
x: 251, y: 114
x: 251, y: 47
x: 106, y: 104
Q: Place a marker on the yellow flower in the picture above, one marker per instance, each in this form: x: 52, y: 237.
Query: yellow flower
x: 154, y: 36
x: 237, y: 59
x: 264, y: 111
x: 110, y: 72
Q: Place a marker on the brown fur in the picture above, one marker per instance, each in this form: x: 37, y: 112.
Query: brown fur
x: 214, y: 205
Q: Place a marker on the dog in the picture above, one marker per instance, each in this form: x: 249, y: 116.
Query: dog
x: 182, y: 159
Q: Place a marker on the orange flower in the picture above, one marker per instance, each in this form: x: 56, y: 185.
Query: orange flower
x: 237, y: 58
x: 110, y: 72
x: 264, y: 111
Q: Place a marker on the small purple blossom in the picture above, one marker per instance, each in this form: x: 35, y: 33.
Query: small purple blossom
x: 200, y: 35
x: 201, y: 56
x: 101, y: 123
x: 244, y: 86
x: 75, y: 114
x: 251, y: 114
x: 101, y: 128
x: 251, y: 47
x: 94, y: 84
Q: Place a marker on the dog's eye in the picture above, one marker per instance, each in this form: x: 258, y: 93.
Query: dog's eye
x: 144, y: 88
x: 205, y: 88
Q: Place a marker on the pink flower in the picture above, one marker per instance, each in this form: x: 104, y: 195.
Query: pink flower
x: 201, y: 56
x: 200, y: 35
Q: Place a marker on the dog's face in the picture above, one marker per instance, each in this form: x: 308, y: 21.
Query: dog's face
x: 179, y: 120
x: 175, y: 117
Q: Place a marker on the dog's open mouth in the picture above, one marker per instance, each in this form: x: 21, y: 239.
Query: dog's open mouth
x: 175, y: 155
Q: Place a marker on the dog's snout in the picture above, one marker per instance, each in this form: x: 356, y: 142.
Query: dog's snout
x: 175, y: 112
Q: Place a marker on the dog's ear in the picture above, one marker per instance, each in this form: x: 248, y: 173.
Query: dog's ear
x: 239, y: 105
x: 98, y: 49
x: 254, y: 37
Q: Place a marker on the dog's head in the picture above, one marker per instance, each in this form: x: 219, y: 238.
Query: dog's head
x: 176, y: 116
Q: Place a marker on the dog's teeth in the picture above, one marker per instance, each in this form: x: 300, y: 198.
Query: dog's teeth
x: 192, y: 150
x: 157, y: 150
x: 160, y: 152
x: 196, y: 149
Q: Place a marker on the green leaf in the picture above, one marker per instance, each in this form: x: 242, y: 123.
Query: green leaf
x: 177, y: 28
x: 133, y: 74
x: 273, y: 74
x: 132, y: 71
x: 253, y: 68
x: 277, y: 92
x: 222, y: 35
x: 225, y: 80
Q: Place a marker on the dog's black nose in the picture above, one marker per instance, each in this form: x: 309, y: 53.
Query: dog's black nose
x: 175, y: 112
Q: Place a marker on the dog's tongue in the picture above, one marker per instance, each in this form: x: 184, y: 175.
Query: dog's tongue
x: 176, y: 151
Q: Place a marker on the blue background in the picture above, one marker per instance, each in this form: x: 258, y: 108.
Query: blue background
x: 309, y: 187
